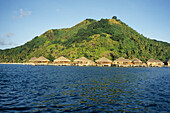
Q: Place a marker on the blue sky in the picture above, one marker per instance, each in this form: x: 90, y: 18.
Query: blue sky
x: 22, y: 20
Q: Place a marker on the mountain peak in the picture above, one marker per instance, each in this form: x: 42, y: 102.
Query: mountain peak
x: 85, y: 22
x: 114, y: 21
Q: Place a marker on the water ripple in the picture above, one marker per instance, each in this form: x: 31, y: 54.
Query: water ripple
x: 83, y: 89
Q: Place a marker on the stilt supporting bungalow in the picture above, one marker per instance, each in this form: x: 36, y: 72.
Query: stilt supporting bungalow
x: 62, y: 61
x: 83, y: 62
x: 103, y: 62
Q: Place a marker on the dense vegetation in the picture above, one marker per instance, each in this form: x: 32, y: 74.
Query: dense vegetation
x: 93, y: 39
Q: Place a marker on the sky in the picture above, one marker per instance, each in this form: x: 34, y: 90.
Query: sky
x: 22, y: 20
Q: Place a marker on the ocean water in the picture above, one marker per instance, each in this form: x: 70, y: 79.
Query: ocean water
x: 84, y: 89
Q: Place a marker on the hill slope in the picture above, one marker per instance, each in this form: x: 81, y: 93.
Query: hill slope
x: 93, y: 39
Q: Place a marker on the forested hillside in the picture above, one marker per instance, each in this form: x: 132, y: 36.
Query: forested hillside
x: 93, y: 39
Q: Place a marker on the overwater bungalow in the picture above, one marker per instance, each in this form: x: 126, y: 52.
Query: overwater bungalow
x: 83, y: 62
x: 159, y: 63
x: 136, y: 62
x: 154, y: 63
x: 42, y: 60
x: 62, y: 61
x: 32, y: 60
x: 122, y: 62
x: 168, y: 62
x: 151, y: 62
x: 103, y: 62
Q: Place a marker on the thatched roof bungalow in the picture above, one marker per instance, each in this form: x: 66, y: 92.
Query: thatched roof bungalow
x: 103, y: 62
x: 83, y: 62
x: 159, y: 63
x: 33, y: 60
x: 151, y: 62
x: 137, y: 62
x: 154, y: 63
x: 42, y: 60
x: 62, y: 61
x: 122, y: 62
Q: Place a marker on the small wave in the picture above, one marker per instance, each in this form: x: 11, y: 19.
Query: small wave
x: 15, y: 108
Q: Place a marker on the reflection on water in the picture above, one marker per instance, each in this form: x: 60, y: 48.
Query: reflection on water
x: 83, y: 89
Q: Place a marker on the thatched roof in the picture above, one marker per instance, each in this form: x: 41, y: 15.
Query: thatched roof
x: 158, y: 61
x: 103, y: 59
x: 33, y: 59
x: 136, y: 60
x: 42, y: 59
x: 121, y: 59
x: 127, y: 60
x: 62, y: 58
x: 151, y: 60
x: 83, y: 59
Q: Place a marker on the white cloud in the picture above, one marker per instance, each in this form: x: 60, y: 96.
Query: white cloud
x: 3, y: 42
x: 9, y: 35
x: 6, y: 40
x: 21, y: 13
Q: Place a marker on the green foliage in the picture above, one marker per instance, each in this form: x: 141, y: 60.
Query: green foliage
x: 114, y: 17
x: 93, y: 39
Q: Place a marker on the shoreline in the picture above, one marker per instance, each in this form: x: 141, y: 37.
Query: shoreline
x: 52, y: 64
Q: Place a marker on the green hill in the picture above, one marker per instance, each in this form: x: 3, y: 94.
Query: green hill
x: 93, y: 39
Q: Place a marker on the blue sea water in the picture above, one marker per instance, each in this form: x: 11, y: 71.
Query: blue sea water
x: 84, y: 89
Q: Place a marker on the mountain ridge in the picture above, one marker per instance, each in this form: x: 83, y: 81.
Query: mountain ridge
x: 93, y: 39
